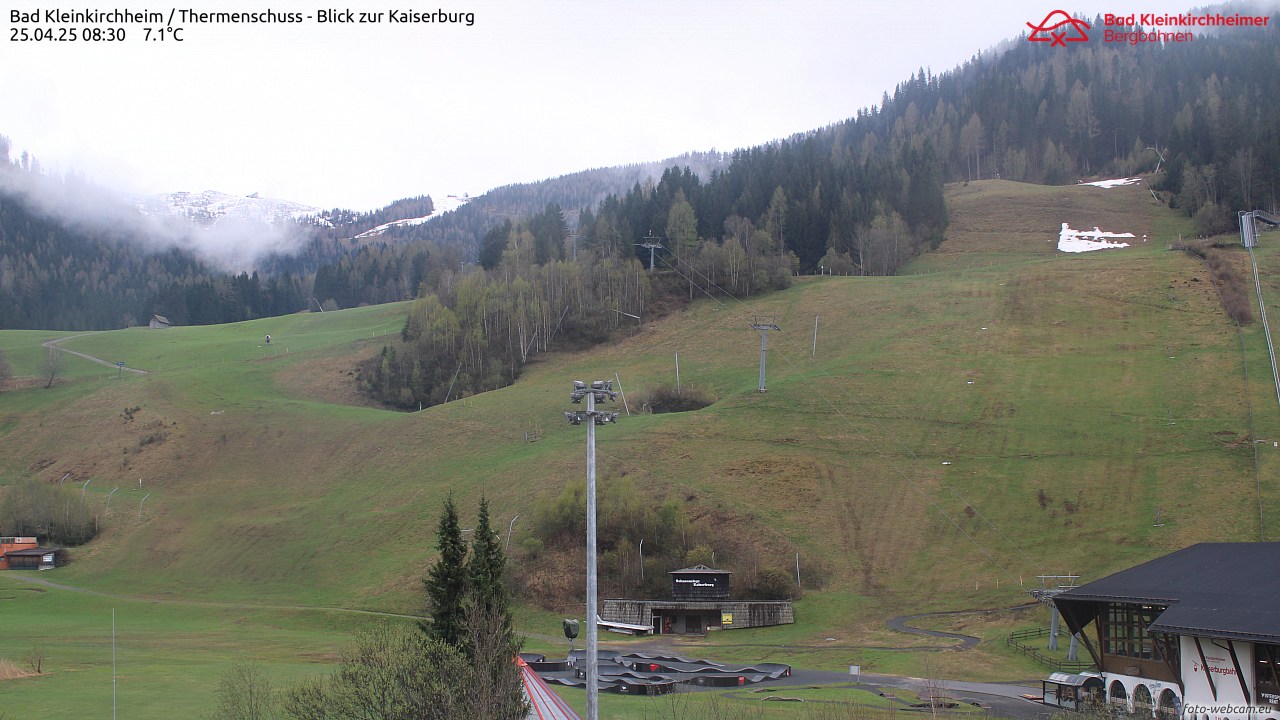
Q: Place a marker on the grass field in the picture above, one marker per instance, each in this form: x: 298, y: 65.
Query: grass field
x: 999, y: 411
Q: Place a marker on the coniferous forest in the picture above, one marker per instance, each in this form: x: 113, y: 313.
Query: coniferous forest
x: 526, y: 267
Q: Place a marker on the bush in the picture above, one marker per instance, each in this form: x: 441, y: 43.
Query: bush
x: 772, y: 584
x: 665, y: 399
x: 394, y: 671
x: 56, y: 515
x: 1213, y: 219
x: 1233, y: 290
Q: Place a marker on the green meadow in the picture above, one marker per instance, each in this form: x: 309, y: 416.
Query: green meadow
x: 998, y: 412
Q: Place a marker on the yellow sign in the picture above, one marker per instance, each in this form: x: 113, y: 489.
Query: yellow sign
x: 726, y: 618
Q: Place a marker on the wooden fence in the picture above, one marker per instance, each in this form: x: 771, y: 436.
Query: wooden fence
x: 1015, y: 641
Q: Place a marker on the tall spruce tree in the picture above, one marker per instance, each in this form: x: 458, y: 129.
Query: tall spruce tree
x: 491, y: 642
x: 446, y: 582
x: 486, y: 568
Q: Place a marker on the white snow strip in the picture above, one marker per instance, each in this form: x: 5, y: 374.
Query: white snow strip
x: 449, y: 204
x: 1078, y: 241
x: 1114, y: 183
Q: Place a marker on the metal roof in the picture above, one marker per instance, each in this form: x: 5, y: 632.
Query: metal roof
x: 30, y: 552
x: 1225, y: 590
x: 1074, y: 679
x: 700, y: 570
x: 544, y: 703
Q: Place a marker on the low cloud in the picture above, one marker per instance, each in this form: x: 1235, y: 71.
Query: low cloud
x: 224, y: 235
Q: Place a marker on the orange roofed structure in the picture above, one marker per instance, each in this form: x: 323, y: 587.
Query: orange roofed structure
x: 24, y: 553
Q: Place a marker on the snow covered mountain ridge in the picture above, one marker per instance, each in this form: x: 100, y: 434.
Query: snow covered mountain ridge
x: 212, y: 207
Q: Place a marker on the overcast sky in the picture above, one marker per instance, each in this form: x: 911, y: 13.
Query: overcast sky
x: 358, y: 115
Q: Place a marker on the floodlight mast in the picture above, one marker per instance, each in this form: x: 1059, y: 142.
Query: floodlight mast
x: 599, y: 390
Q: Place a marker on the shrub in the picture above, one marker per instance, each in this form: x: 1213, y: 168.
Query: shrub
x: 54, y: 514
x: 772, y: 584
x: 396, y: 672
x: 1233, y: 290
x: 665, y: 399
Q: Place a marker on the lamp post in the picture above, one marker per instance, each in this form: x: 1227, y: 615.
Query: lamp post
x: 599, y: 390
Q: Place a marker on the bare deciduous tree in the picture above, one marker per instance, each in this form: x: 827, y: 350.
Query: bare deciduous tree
x: 244, y: 693
x: 6, y: 370
x: 52, y: 366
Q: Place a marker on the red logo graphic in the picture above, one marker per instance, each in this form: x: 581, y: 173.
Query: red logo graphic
x: 1048, y: 32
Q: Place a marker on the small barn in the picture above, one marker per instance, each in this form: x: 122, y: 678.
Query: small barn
x: 33, y: 559
x: 24, y: 553
x: 11, y: 543
x: 159, y: 322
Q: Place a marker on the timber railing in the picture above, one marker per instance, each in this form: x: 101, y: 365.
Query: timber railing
x: 1015, y: 638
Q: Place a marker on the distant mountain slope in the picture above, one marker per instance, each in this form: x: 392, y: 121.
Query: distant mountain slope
x: 1009, y: 411
x: 573, y: 193
x: 863, y: 195
x: 60, y: 272
x: 211, y: 207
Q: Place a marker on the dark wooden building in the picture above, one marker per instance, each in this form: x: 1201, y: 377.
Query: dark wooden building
x: 700, y: 602
x: 700, y: 583
x: 33, y: 559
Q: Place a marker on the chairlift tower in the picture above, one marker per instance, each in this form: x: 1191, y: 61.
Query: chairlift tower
x: 1159, y: 155
x: 763, y: 325
x: 1045, y: 595
x: 652, y: 243
x: 600, y: 390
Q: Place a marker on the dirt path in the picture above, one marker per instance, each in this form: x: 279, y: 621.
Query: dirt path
x: 965, y: 641
x: 55, y: 344
x: 672, y: 644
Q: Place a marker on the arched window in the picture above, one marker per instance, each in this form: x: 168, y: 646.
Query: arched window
x: 1142, y: 704
x: 1169, y: 707
x: 1116, y: 693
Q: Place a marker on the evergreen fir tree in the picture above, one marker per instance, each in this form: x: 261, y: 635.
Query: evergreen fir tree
x: 446, y: 583
x: 486, y: 569
x: 491, y: 642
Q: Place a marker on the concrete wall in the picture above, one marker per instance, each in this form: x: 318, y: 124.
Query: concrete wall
x: 745, y: 613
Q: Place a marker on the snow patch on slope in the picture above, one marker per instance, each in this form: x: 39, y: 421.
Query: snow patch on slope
x: 1119, y: 182
x: 1078, y: 241
x: 448, y: 204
